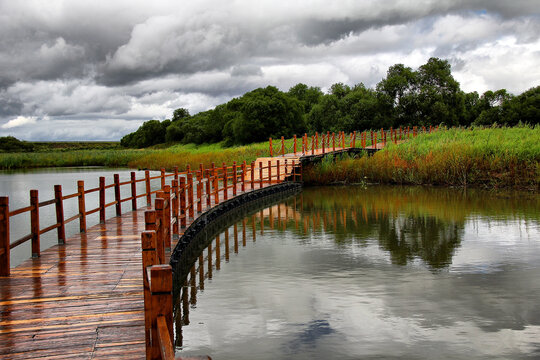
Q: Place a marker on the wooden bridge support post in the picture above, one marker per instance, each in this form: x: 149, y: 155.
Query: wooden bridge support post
x: 190, y: 195
x: 148, y: 191
x: 59, y: 204
x: 4, y: 237
x: 118, y: 204
x: 82, y: 207
x: 234, y: 178
x: 183, y: 214
x: 133, y: 185
x: 34, y: 223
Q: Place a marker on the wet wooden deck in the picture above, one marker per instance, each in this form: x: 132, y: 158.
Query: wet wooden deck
x: 80, y: 300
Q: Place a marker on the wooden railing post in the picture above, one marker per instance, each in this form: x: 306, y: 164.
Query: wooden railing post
x: 133, y: 185
x: 208, y: 189
x: 278, y: 170
x: 161, y: 310
x: 118, y: 204
x: 282, y: 146
x: 294, y: 146
x: 271, y: 150
x: 4, y: 237
x: 215, y: 185
x: 323, y: 143
x: 149, y: 258
x: 175, y: 169
x: 243, y: 177
x: 59, y: 204
x: 183, y: 214
x: 162, y: 177
x: 167, y: 216
x: 82, y: 207
x: 252, y: 165
x: 148, y: 191
x: 102, y: 200
x: 260, y: 175
x: 225, y: 182
x: 199, y: 190
x: 353, y: 145
x: 333, y: 142
x: 316, y: 141
x: 269, y: 172
x: 190, y: 195
x: 312, y: 144
x: 234, y: 175
x: 160, y: 227
x: 174, y: 207
x: 34, y: 223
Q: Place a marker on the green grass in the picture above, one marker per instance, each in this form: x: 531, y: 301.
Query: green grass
x: 493, y: 158
x: 150, y: 158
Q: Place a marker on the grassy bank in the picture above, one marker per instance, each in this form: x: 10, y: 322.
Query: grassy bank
x: 151, y: 158
x: 495, y: 157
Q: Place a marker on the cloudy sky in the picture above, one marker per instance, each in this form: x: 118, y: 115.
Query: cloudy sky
x: 95, y: 70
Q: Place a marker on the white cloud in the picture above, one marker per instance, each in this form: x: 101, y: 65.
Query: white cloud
x: 19, y: 121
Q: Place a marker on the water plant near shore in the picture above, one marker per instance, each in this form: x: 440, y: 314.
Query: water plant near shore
x: 493, y: 157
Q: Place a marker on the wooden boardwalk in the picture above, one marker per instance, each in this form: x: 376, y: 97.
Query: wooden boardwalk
x: 84, y: 299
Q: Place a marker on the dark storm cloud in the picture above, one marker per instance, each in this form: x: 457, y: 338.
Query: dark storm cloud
x: 123, y: 58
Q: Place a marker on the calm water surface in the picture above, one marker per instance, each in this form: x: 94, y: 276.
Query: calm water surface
x: 387, y: 272
x: 17, y: 185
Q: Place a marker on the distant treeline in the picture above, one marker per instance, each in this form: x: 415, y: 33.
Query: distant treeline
x: 12, y: 144
x: 427, y: 96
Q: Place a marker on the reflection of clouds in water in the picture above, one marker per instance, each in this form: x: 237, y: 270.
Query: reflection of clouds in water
x: 328, y: 295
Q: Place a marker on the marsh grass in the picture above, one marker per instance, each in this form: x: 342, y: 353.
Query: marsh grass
x: 493, y: 157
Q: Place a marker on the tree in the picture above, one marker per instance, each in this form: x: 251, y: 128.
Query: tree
x: 12, y: 144
x: 179, y: 114
x: 149, y: 133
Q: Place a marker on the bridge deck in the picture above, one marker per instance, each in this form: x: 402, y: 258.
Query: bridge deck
x: 83, y: 299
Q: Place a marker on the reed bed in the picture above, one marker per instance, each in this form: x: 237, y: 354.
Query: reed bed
x: 493, y: 158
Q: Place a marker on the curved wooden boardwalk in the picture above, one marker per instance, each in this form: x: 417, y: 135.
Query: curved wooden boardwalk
x: 84, y: 299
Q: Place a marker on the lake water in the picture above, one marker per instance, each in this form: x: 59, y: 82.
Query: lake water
x: 17, y: 185
x: 383, y: 272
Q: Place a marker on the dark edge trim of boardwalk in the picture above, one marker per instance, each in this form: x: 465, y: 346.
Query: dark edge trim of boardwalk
x: 224, y: 208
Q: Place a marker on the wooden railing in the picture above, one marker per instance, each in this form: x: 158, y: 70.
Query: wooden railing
x: 317, y: 143
x: 174, y: 206
x: 194, y: 190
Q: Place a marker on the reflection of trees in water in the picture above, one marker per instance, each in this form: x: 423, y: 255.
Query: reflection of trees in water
x: 428, y: 238
x: 408, y: 223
